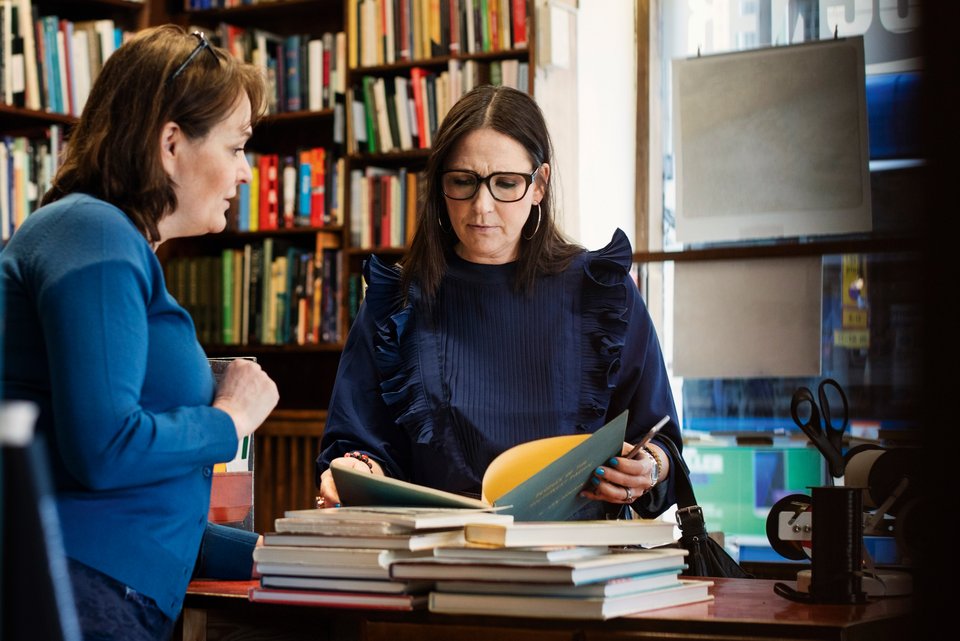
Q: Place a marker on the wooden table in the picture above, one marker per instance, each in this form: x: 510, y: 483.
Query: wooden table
x: 742, y: 609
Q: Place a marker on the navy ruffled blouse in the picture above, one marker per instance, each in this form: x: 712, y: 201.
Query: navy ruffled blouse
x: 435, y: 399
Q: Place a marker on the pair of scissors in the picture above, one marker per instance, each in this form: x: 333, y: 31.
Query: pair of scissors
x: 813, y: 416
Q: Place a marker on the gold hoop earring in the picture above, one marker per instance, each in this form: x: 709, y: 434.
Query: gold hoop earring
x: 539, y: 212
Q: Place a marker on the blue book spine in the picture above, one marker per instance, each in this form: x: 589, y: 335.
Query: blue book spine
x: 243, y: 207
x: 291, y: 48
x: 304, y: 191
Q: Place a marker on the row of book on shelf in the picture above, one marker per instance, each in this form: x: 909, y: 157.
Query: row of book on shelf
x: 472, y: 561
x: 27, y: 168
x: 390, y: 31
x: 268, y: 292
x: 304, y: 72
x: 401, y: 113
x: 286, y: 191
x: 50, y: 63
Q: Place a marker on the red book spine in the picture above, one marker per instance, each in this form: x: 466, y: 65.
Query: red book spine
x: 416, y: 78
x: 519, y: 23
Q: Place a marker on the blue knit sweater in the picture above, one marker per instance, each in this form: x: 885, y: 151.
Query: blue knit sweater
x: 436, y: 399
x: 95, y: 340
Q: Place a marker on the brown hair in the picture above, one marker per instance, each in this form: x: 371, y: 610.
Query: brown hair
x: 113, y: 153
x: 512, y: 113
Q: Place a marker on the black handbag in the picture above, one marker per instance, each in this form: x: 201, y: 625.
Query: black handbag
x: 705, y: 556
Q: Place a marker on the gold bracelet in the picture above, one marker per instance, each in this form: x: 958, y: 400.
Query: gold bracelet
x: 657, y: 462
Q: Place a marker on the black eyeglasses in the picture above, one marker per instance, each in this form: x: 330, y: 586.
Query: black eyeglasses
x: 504, y: 186
x: 203, y: 44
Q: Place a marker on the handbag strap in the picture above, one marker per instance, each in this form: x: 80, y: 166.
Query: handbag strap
x: 689, y: 514
x: 681, y: 482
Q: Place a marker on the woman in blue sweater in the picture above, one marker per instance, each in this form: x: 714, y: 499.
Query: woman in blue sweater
x: 495, y: 330
x: 128, y: 406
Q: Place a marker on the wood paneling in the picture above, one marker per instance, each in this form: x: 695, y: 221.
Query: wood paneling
x: 285, y: 449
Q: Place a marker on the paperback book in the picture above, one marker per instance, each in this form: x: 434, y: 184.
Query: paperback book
x: 345, y: 584
x: 570, y: 607
x: 646, y: 532
x: 407, y: 519
x: 591, y: 569
x: 368, y: 600
x: 611, y: 588
x: 402, y: 541
x: 535, y: 481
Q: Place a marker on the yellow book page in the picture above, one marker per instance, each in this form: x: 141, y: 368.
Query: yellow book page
x: 519, y: 463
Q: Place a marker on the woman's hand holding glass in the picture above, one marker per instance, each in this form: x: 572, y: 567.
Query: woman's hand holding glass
x: 247, y: 394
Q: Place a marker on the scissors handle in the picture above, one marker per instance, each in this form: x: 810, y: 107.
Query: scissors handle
x: 825, y: 408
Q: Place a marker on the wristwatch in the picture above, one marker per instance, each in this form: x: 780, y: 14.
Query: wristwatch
x: 657, y: 465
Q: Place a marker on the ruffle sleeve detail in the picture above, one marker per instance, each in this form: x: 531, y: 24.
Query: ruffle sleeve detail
x: 395, y: 349
x: 605, y: 278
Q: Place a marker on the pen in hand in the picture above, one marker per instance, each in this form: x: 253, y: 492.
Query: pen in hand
x: 635, y: 452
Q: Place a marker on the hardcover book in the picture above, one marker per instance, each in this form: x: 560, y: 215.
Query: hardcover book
x: 573, y: 572
x: 408, y: 541
x: 373, y: 518
x: 345, y: 584
x: 646, y: 532
x: 612, y: 588
x: 570, y: 607
x: 369, y: 600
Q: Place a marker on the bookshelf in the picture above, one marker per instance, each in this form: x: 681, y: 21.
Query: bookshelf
x: 369, y: 175
x: 371, y: 170
x: 42, y: 98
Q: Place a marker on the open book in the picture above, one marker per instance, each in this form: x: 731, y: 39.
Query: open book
x: 535, y: 481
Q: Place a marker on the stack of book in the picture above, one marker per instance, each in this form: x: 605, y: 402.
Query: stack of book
x: 576, y: 570
x: 340, y: 557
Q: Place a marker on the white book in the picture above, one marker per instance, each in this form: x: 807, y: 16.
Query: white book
x: 571, y: 572
x: 542, y: 554
x: 611, y: 588
x: 409, y: 541
x: 345, y: 584
x: 401, y: 96
x: 106, y: 30
x: 340, y: 599
x: 356, y: 216
x: 570, y: 607
x: 383, y: 118
x: 307, y: 525
x: 412, y: 517
x: 390, y: 45
x: 471, y: 33
x: 510, y: 70
x: 30, y: 64
x: 326, y: 571
x: 81, y: 68
x: 315, y: 79
x: 647, y: 532
x: 368, y: 33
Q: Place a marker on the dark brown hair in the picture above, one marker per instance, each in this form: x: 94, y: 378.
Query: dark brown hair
x: 512, y: 113
x: 114, y: 151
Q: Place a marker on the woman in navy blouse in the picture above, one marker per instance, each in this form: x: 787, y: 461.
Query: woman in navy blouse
x: 495, y: 330
x: 128, y: 404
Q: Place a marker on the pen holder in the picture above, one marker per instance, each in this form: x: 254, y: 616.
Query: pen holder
x: 836, y: 575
